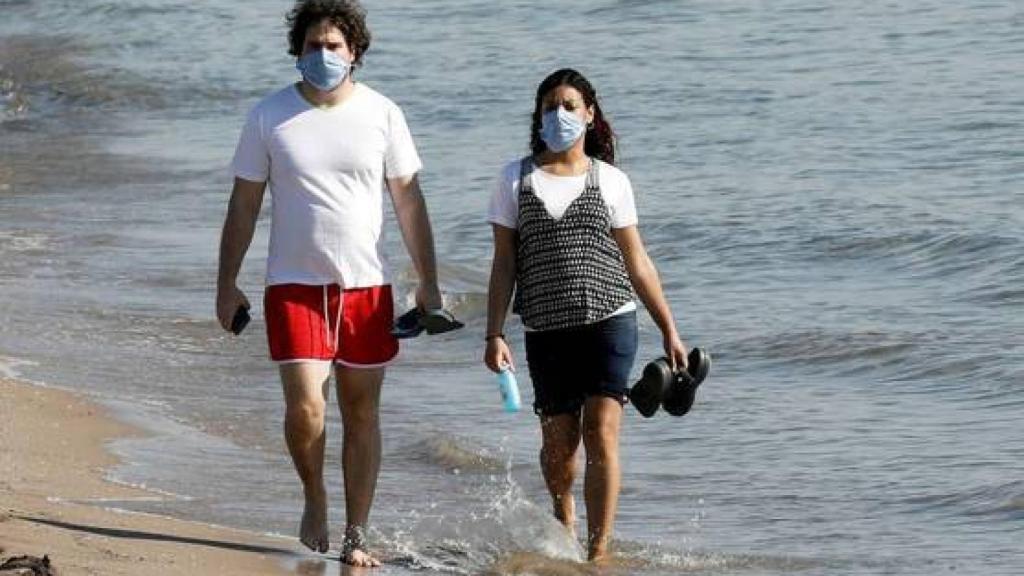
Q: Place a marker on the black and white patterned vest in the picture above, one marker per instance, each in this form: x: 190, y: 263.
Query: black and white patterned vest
x: 570, y: 271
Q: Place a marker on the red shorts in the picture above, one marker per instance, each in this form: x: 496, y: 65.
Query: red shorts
x: 357, y: 330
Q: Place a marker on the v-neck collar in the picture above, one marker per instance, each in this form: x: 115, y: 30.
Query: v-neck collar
x: 572, y: 204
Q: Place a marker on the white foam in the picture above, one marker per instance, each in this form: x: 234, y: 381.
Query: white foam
x: 21, y: 241
x: 9, y: 368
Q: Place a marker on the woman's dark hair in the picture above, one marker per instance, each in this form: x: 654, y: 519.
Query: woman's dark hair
x: 599, y: 139
x: 347, y: 15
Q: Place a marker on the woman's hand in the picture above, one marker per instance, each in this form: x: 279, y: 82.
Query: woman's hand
x: 498, y: 355
x: 676, y: 352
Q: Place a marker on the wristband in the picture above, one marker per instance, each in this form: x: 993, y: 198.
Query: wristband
x: 490, y: 337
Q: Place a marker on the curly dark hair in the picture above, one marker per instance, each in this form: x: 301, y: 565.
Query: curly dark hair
x: 599, y: 140
x: 347, y: 15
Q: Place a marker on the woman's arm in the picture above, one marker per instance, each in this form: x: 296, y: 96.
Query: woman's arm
x: 499, y: 293
x: 647, y: 284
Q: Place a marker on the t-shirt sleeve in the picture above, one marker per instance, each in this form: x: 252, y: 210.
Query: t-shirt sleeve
x: 252, y: 160
x: 504, y: 206
x: 401, y: 158
x: 621, y: 203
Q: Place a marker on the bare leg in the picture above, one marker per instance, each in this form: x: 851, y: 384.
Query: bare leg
x: 305, y: 394
x: 561, y: 438
x: 601, y: 419
x: 359, y: 401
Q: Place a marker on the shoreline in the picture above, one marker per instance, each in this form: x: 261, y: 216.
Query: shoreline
x: 52, y: 465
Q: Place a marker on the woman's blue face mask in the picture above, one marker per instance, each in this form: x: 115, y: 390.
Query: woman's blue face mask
x: 325, y: 70
x: 560, y: 129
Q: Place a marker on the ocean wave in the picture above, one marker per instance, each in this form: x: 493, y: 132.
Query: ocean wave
x: 38, y: 76
x: 825, y: 348
x: 635, y: 558
x: 926, y: 252
x: 13, y: 102
x: 1000, y: 501
x: 11, y: 367
x: 477, y: 539
x: 457, y: 454
x: 22, y: 241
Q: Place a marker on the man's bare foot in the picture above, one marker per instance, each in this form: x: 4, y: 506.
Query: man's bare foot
x: 353, y: 549
x: 565, y: 512
x: 313, y: 530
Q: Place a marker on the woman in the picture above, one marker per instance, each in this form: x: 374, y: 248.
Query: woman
x: 566, y: 241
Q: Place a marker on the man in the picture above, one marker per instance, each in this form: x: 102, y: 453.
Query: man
x: 328, y: 147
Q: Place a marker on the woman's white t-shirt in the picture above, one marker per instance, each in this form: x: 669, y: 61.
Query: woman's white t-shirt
x: 558, y: 192
x: 326, y: 170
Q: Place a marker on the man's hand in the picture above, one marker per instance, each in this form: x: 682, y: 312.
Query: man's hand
x: 228, y: 301
x: 428, y: 297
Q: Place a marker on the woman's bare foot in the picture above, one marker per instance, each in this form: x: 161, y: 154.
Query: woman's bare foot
x: 313, y: 530
x: 565, y: 512
x: 598, y: 552
x: 353, y: 549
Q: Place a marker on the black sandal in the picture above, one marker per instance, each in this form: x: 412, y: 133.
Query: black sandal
x: 673, y: 391
x: 415, y: 321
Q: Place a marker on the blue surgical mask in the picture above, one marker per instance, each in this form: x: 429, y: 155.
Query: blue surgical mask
x: 560, y: 129
x: 324, y: 69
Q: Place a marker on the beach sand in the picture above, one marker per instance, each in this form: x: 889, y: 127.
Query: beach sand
x: 52, y: 459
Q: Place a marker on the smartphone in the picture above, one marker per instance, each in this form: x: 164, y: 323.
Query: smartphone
x: 240, y: 320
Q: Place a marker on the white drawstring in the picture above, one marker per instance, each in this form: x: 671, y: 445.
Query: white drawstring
x: 336, y: 341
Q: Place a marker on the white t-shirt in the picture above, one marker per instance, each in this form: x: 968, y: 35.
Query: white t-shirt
x: 558, y: 192
x: 326, y: 169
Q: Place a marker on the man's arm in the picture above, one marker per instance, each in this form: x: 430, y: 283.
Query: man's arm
x: 239, y: 226
x: 411, y: 211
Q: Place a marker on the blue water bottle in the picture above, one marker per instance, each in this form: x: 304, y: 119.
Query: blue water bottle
x: 509, y: 389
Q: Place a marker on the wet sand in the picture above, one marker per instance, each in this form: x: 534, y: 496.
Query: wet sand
x: 52, y: 462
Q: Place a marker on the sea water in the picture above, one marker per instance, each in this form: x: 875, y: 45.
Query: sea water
x: 833, y: 193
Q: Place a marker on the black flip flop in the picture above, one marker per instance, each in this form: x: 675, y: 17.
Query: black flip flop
x: 415, y: 321
x: 408, y: 325
x: 439, y: 322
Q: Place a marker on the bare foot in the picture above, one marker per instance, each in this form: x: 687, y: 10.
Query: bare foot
x: 600, y: 558
x: 565, y: 512
x: 359, y: 558
x: 313, y: 530
x: 353, y: 549
x: 598, y: 552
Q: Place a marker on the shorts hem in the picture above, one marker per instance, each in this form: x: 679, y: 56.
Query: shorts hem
x: 302, y: 361
x: 383, y: 364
